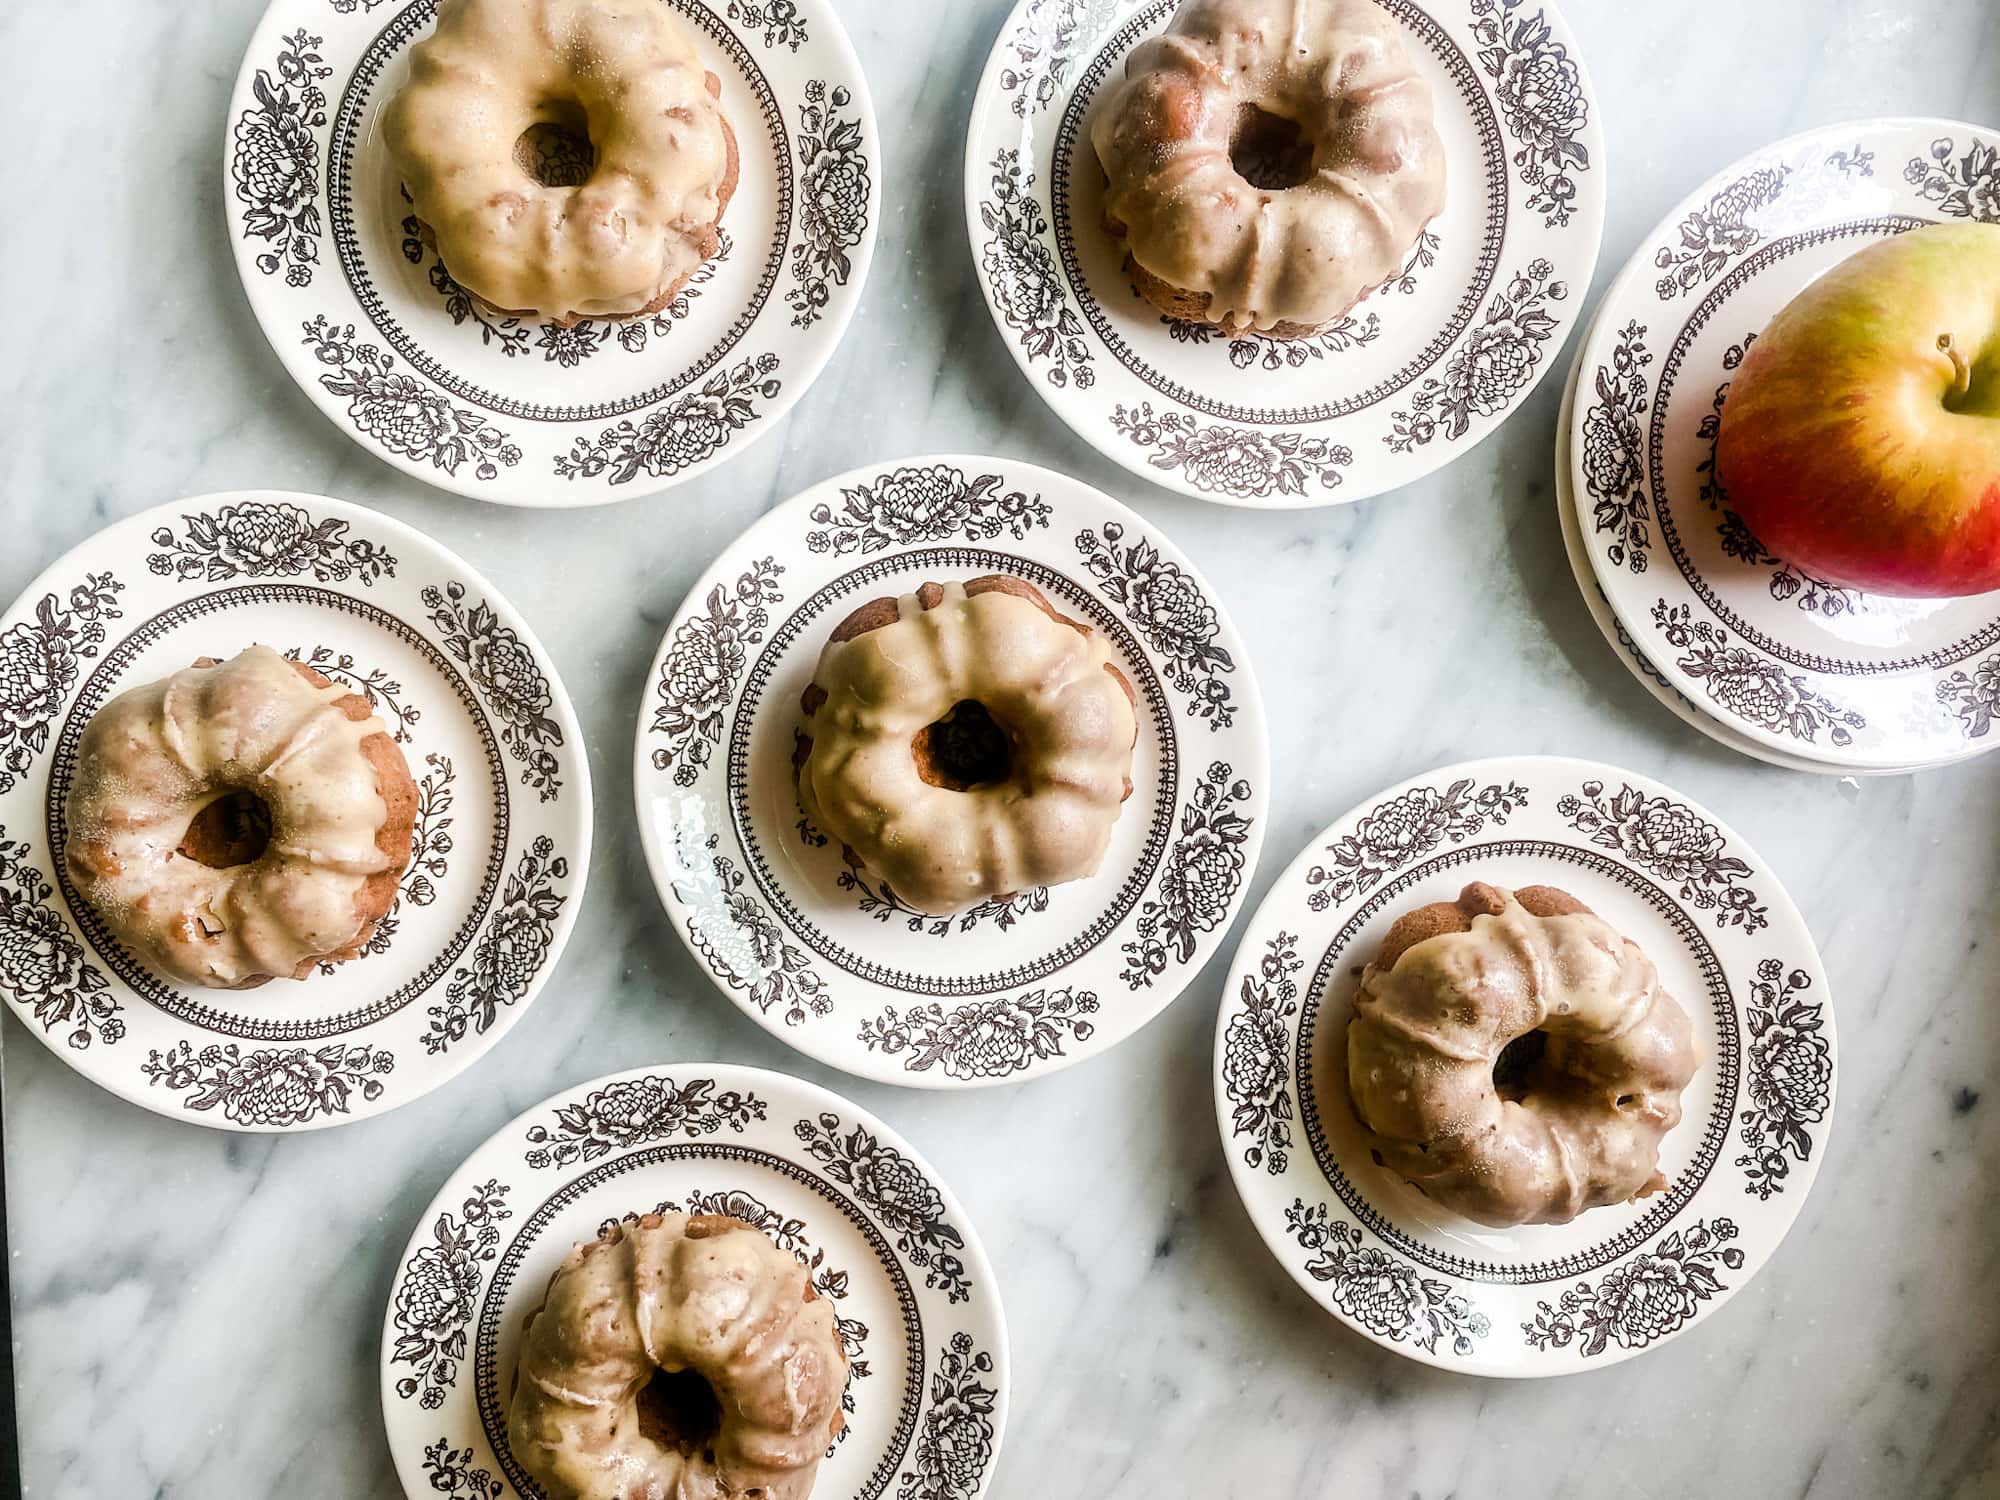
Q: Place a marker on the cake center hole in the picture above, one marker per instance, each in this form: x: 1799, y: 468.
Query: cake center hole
x: 1517, y: 1063
x: 232, y: 830
x: 1269, y: 151
x: 556, y: 152
x: 965, y: 749
x: 678, y: 1409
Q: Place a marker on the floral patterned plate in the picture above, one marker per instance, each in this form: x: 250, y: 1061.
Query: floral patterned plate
x: 515, y: 410
x: 1790, y: 661
x: 501, y: 844
x: 1423, y: 367
x: 886, y: 1241
x: 1626, y: 649
x: 1539, y: 1299
x: 827, y: 957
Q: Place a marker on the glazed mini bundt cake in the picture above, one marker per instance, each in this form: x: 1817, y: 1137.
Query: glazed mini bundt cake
x: 1515, y: 1058
x: 237, y: 822
x: 663, y: 162
x: 967, y: 741
x: 678, y: 1357
x: 1268, y: 162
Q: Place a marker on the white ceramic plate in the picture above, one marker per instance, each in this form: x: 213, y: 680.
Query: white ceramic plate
x: 1539, y: 1299
x: 887, y: 1242
x: 825, y: 957
x: 502, y: 840
x: 1622, y: 644
x: 508, y: 409
x: 1421, y: 370
x: 1856, y: 681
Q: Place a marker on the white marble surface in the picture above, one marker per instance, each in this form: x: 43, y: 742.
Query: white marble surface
x: 196, y: 1314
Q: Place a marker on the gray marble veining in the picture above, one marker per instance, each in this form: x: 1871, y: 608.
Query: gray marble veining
x: 197, y: 1314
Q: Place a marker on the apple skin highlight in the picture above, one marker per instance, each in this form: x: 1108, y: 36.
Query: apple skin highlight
x: 1854, y: 444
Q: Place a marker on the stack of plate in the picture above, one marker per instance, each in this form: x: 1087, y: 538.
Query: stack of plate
x: 1758, y: 654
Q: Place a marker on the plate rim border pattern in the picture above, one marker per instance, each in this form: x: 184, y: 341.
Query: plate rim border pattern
x: 533, y: 490
x: 1283, y: 899
x: 32, y: 791
x: 782, y: 521
x: 1592, y: 207
x: 1633, y: 272
x: 811, y: 1100
x: 1611, y: 627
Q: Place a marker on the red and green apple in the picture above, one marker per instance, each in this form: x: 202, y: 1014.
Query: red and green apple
x: 1860, y: 439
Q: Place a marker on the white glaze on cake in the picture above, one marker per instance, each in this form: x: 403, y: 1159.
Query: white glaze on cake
x: 671, y: 1293
x: 1044, y: 679
x: 1427, y: 1031
x: 1270, y: 258
x: 155, y: 756
x: 644, y: 220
